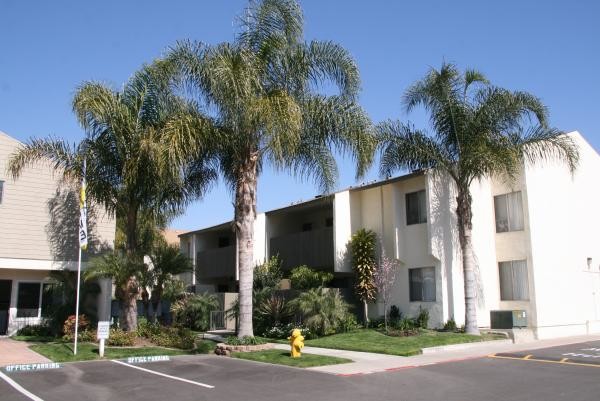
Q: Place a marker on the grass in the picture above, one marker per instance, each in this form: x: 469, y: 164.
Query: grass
x: 370, y: 340
x: 63, y: 352
x: 280, y: 357
x: 35, y: 339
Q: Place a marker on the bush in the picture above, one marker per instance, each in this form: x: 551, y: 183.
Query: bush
x: 281, y: 330
x: 69, y: 327
x: 120, y: 338
x: 268, y: 275
x: 40, y: 330
x: 348, y: 323
x: 194, y: 311
x: 246, y: 340
x: 395, y: 313
x: 323, y: 311
x: 304, y: 278
x: 173, y: 337
x: 422, y: 320
x: 450, y: 325
x: 272, y: 311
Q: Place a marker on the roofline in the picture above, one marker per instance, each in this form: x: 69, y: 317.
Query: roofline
x: 222, y: 225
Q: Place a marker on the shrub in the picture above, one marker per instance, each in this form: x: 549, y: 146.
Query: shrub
x: 194, y: 311
x: 268, y: 275
x: 69, y: 326
x: 348, y: 323
x: 305, y: 278
x: 271, y: 311
x: 322, y: 310
x: 40, y: 330
x: 450, y: 325
x: 395, y: 313
x: 422, y: 320
x: 281, y: 330
x: 120, y: 338
x: 246, y: 340
x: 173, y: 337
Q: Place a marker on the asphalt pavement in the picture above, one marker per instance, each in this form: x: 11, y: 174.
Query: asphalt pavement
x: 208, y: 377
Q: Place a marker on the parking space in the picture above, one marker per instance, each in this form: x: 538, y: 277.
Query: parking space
x: 583, y: 354
x: 212, y: 378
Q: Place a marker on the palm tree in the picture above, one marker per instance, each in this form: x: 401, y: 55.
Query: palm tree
x: 139, y: 149
x: 263, y: 106
x: 480, y: 132
x: 167, y: 262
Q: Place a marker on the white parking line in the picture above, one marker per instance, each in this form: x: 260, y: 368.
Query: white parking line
x: 164, y: 375
x: 20, y: 389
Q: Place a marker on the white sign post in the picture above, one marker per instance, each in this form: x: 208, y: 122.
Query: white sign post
x: 102, y: 334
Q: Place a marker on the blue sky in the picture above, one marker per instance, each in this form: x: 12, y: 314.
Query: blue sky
x: 548, y: 48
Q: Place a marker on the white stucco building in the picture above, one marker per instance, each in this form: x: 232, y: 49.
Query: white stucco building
x: 39, y: 220
x: 536, y: 243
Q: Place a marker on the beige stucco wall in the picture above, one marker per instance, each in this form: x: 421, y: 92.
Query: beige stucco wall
x: 26, y: 222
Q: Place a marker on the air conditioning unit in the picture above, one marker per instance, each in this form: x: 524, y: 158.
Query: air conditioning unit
x: 508, y: 319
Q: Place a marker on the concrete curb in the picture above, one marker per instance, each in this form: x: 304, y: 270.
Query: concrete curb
x: 464, y: 346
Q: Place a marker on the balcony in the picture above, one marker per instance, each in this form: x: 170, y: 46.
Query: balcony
x: 216, y: 263
x: 312, y: 248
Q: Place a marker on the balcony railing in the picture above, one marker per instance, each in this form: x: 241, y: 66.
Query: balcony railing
x: 313, y: 248
x: 215, y: 263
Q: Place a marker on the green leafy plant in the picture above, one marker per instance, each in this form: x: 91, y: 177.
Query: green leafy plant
x: 450, y: 325
x: 194, y: 311
x: 304, y: 278
x: 272, y: 310
x: 268, y: 274
x: 323, y: 310
x: 119, y: 338
x: 40, y: 330
x: 362, y: 250
x: 422, y: 319
x: 246, y: 340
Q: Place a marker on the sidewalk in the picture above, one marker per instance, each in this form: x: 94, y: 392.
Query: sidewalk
x: 16, y: 352
x: 366, y: 362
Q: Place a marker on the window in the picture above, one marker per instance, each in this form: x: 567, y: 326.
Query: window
x: 514, y: 284
x: 422, y: 284
x: 416, y: 212
x: 1, y: 191
x: 28, y: 300
x: 509, y: 212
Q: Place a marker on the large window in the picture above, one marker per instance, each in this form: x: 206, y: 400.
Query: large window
x: 514, y: 284
x: 509, y: 212
x: 422, y: 284
x: 416, y: 210
x: 28, y: 300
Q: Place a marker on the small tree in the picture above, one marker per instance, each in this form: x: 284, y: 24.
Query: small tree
x: 362, y: 248
x: 384, y: 278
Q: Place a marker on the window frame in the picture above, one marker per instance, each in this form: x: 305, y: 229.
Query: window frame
x: 421, y: 217
x: 420, y: 297
x: 507, y: 211
x: 513, y: 281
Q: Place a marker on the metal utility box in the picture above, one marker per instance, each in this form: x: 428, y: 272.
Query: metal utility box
x: 508, y: 319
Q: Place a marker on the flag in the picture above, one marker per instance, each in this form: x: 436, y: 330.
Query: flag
x: 83, y: 233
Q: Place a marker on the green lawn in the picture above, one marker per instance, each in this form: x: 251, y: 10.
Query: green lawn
x: 370, y: 340
x: 280, y: 357
x: 63, y: 352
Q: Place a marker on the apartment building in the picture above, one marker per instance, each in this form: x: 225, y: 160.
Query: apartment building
x: 535, y: 239
x: 39, y: 218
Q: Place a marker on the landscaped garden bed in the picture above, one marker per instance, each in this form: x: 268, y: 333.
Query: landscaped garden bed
x: 372, y: 340
x: 280, y: 357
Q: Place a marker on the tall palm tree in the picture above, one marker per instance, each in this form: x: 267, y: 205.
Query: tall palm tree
x: 480, y: 131
x: 262, y: 101
x: 141, y: 158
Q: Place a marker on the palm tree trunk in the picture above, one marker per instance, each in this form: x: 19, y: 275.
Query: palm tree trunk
x: 129, y: 301
x: 245, y: 214
x: 464, y: 214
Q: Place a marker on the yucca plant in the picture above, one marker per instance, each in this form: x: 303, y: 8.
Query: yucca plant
x: 362, y: 250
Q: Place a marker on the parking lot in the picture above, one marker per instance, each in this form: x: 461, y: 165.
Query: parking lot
x: 210, y: 377
x: 573, y: 354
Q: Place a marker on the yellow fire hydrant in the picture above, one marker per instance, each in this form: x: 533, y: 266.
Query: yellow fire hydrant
x: 297, y: 343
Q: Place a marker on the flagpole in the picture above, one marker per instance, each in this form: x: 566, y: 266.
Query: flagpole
x: 77, y: 302
x: 83, y: 241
